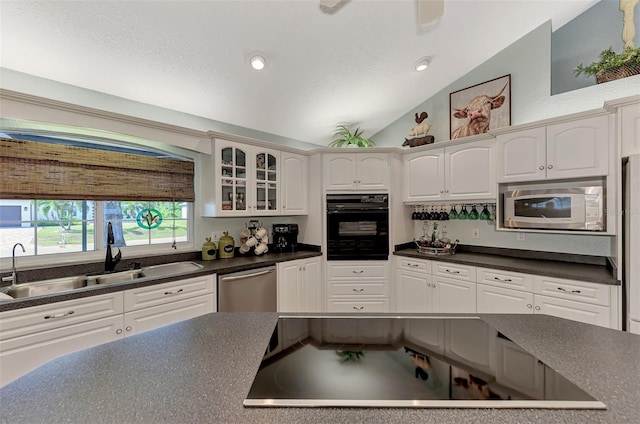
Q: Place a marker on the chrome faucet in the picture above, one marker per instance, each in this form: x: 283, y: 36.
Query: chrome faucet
x: 110, y: 261
x: 14, y: 275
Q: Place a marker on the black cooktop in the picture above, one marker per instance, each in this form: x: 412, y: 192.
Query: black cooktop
x: 405, y: 362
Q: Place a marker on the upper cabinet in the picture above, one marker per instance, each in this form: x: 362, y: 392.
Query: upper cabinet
x: 356, y: 171
x: 294, y: 183
x: 460, y: 172
x: 571, y: 149
x: 247, y: 180
x: 630, y: 129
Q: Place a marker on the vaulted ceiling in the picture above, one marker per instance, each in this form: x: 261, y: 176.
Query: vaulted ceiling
x: 354, y: 65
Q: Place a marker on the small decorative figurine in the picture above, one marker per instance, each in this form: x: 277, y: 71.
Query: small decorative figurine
x: 421, y: 129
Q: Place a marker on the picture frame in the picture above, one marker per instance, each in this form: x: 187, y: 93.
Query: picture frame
x: 476, y: 109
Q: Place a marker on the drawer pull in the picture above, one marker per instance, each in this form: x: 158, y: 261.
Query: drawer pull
x: 358, y: 290
x: 66, y: 314
x: 413, y: 265
x: 173, y: 292
x: 451, y: 272
x: 358, y: 308
x: 529, y: 305
x: 537, y: 308
x: 358, y: 272
x: 128, y: 328
x: 119, y: 331
x: 506, y: 280
x: 569, y: 291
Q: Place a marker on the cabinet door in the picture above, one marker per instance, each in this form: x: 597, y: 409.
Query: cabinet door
x: 517, y: 369
x: 453, y: 296
x: 630, y: 129
x: 522, y: 156
x: 424, y: 176
x: 577, y: 311
x: 232, y: 168
x: 294, y: 183
x: 498, y: 300
x: 340, y: 171
x: 372, y: 171
x: 470, y: 341
x: 21, y: 355
x: 413, y: 292
x: 312, y: 285
x: 470, y: 171
x: 266, y: 172
x: 578, y: 148
x: 289, y: 286
x: 147, y: 319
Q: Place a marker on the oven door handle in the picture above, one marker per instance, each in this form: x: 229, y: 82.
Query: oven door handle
x: 361, y: 210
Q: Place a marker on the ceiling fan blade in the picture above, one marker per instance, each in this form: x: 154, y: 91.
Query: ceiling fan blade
x: 429, y: 11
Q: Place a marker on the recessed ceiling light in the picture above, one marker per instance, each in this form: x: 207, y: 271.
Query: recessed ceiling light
x: 422, y: 64
x: 258, y: 62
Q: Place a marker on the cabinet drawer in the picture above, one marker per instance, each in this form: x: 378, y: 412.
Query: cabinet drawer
x: 576, y: 311
x: 506, y: 279
x: 21, y: 355
x: 358, y: 289
x: 573, y: 290
x: 359, y: 306
x: 158, y: 316
x: 365, y: 270
x: 145, y: 297
x: 460, y: 272
x: 413, y: 265
x: 34, y: 319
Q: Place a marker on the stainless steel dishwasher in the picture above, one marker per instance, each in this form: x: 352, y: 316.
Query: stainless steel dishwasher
x: 255, y: 290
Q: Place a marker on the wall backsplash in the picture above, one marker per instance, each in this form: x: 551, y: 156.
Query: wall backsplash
x: 562, y: 243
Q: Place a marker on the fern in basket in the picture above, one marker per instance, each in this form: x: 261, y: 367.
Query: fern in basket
x: 345, y: 138
x: 610, y: 61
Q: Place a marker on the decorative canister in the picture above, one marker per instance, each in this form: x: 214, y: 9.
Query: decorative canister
x: 226, y: 246
x: 209, y: 250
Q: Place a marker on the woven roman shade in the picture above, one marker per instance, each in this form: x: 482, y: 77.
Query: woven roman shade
x: 36, y: 170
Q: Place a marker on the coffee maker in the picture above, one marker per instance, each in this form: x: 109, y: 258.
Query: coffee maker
x: 285, y: 237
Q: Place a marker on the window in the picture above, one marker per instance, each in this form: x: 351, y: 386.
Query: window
x: 46, y: 227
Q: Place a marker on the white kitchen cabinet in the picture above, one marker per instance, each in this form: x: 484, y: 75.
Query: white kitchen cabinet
x: 576, y: 311
x: 471, y: 342
x: 358, y: 286
x: 453, y: 296
x: 572, y: 149
x: 426, y: 333
x: 154, y: 306
x: 461, y: 172
x: 356, y: 171
x: 300, y: 285
x: 413, y: 292
x: 35, y: 335
x: 630, y: 129
x: 294, y: 183
x: 247, y: 180
x: 498, y: 300
x: 518, y: 369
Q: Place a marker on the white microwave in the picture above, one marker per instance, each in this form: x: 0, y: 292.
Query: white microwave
x: 580, y: 208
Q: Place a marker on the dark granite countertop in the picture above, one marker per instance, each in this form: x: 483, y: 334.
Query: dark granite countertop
x: 200, y: 371
x: 216, y: 266
x: 591, y: 272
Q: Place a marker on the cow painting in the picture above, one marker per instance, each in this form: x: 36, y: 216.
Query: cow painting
x: 477, y: 113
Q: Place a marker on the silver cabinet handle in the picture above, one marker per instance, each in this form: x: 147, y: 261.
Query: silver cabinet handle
x: 529, y: 305
x: 441, y: 191
x: 568, y: 291
x: 354, y: 181
x: 359, y: 181
x: 451, y: 272
x: 65, y: 314
x: 358, y: 272
x: 173, y: 292
x: 446, y: 191
x: 358, y: 290
x: 550, y: 166
x: 119, y: 331
x: 358, y: 308
x: 541, y: 167
x: 128, y: 328
x: 537, y: 308
x: 506, y: 280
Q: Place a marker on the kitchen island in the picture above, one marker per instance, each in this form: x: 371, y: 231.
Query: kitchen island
x: 200, y: 371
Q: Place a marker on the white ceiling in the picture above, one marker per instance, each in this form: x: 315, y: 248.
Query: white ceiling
x: 355, y: 65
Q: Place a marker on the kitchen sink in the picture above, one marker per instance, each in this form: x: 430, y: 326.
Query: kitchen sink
x: 119, y: 277
x: 38, y: 288
x: 173, y: 268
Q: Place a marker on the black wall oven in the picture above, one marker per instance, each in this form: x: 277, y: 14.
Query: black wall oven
x: 357, y: 227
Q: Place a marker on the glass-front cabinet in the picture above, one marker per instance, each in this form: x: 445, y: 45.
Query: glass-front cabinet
x: 247, y: 179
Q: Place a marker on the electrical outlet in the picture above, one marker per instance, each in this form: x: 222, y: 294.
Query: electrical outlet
x: 520, y: 237
x: 476, y: 233
x: 215, y: 236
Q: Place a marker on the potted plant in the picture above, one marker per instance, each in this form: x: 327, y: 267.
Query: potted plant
x: 344, y: 138
x: 612, y: 65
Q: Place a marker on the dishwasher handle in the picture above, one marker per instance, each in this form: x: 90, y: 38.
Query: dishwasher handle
x: 243, y: 276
